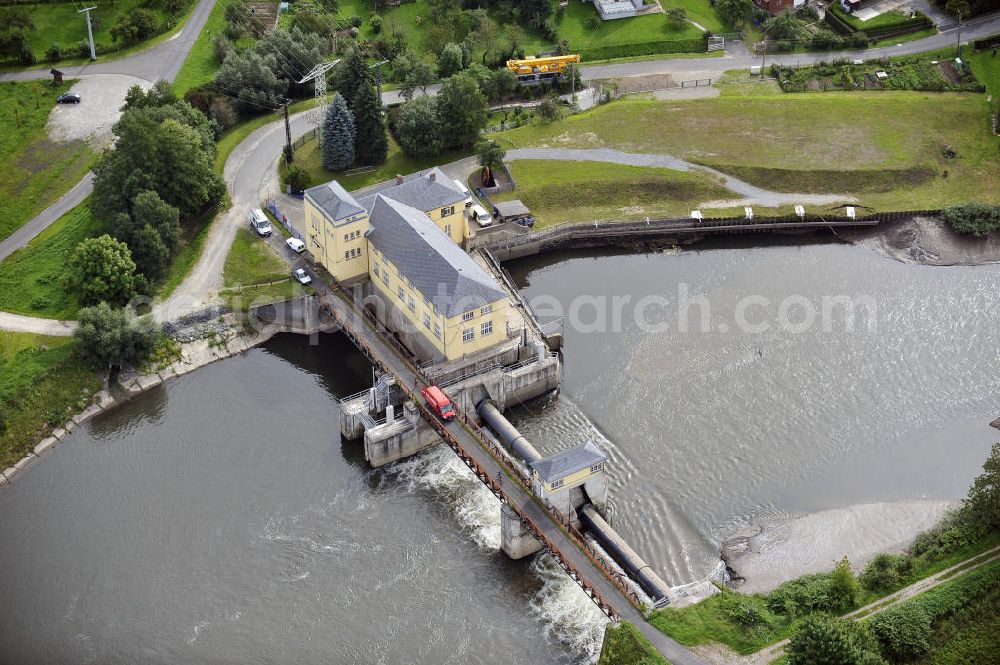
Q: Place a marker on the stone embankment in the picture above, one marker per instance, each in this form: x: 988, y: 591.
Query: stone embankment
x: 203, y: 342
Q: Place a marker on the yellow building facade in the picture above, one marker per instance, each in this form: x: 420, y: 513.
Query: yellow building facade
x: 413, y: 258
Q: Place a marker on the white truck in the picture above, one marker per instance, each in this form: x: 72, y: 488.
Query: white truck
x: 260, y: 223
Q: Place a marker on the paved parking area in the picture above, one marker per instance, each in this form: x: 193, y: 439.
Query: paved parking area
x: 102, y: 96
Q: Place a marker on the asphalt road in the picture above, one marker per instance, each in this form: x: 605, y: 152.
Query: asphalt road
x: 162, y: 61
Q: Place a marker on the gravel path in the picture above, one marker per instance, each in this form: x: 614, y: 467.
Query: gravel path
x: 31, y: 324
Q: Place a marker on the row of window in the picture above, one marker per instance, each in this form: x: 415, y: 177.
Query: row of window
x: 469, y: 334
x: 468, y: 316
x: 352, y: 254
x: 448, y: 210
x: 352, y: 235
x: 556, y: 484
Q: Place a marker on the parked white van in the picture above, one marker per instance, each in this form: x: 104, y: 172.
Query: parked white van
x: 465, y: 190
x: 259, y: 222
x: 478, y: 214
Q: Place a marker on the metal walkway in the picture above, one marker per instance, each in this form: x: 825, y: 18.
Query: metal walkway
x: 598, y: 577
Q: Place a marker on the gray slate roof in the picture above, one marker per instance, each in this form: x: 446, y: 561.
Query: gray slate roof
x: 334, y: 200
x: 569, y: 461
x: 435, y: 265
x: 423, y: 193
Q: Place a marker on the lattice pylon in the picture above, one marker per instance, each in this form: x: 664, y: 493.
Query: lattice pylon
x: 318, y: 76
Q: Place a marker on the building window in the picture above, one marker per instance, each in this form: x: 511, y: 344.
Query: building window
x: 412, y: 305
x: 347, y: 237
x: 347, y: 255
x: 467, y: 316
x: 377, y: 271
x: 399, y: 292
x: 427, y: 301
x: 556, y: 484
x: 385, y: 278
x: 447, y: 229
x: 468, y: 334
x: 449, y: 210
x: 437, y: 331
x: 596, y: 467
x: 486, y: 310
x: 427, y: 322
x: 486, y: 328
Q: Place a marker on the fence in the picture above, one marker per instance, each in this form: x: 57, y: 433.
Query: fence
x: 272, y: 206
x: 625, y: 88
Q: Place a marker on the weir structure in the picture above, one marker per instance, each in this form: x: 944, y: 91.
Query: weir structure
x: 531, y: 518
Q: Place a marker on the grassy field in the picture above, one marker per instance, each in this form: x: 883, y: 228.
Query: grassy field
x: 59, y: 22
x: 309, y: 158
x: 36, y: 171
x: 986, y: 67
x: 970, y: 635
x: 701, y: 12
x: 609, y: 191
x: 250, y: 268
x: 573, y: 26
x: 625, y: 645
x: 200, y: 65
x: 41, y: 384
x: 31, y: 278
x: 884, y: 147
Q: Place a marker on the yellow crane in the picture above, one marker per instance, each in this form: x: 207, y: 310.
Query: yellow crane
x: 541, y: 69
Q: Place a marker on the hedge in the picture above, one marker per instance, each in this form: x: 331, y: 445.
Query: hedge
x: 983, y: 44
x: 643, y: 48
x: 953, y: 596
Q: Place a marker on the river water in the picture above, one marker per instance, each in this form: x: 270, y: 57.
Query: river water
x: 219, y: 519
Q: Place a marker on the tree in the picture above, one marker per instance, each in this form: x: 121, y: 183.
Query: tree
x: 549, y: 110
x: 844, y: 587
x: 152, y: 233
x: 503, y: 82
x: 150, y: 254
x: 161, y: 94
x: 823, y: 640
x: 977, y: 219
x: 735, y: 12
x: 984, y: 495
x: 903, y: 631
x: 168, y: 157
x: 294, y: 52
x: 251, y: 78
x: 959, y: 8
x: 101, y: 270
x: 371, y: 144
x: 418, y: 128
x: 462, y: 110
x: 676, y: 15
x: 886, y: 572
x: 419, y: 75
x: 490, y: 154
x: 134, y: 26
x: 450, y: 60
x: 783, y: 26
x: 535, y: 12
x: 351, y: 74
x: 338, y: 135
x: 108, y: 337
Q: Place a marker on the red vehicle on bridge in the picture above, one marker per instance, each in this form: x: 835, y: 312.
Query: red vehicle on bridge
x: 438, y: 402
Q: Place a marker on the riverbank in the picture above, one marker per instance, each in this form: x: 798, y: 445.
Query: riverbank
x: 218, y: 342
x: 927, y: 241
x: 764, y: 555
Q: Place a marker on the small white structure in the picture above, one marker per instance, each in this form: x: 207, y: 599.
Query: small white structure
x: 850, y: 212
x: 749, y: 212
x: 612, y: 9
x: 755, y: 70
x: 696, y: 214
x: 800, y: 211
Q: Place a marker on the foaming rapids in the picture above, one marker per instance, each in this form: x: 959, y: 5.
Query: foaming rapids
x: 566, y: 612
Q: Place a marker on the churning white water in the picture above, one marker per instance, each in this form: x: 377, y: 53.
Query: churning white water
x: 567, y: 613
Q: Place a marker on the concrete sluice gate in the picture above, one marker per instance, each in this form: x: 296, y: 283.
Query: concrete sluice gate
x: 573, y: 481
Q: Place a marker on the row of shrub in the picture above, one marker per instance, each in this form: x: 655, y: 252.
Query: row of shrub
x: 608, y: 51
x: 975, y: 219
x: 908, y: 74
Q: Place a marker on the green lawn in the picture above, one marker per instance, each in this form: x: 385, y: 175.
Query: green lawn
x: 884, y: 147
x: 36, y: 171
x: 885, y: 19
x: 60, y: 23
x: 31, y: 278
x: 651, y: 28
x: 986, y: 67
x: 701, y: 12
x: 609, y: 192
x: 625, y: 645
x: 200, y: 65
x: 41, y: 385
x: 309, y: 158
x: 250, y: 268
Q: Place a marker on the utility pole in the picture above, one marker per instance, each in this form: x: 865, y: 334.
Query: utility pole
x: 90, y: 31
x: 763, y: 55
x: 958, y: 37
x: 378, y: 77
x: 288, y: 134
